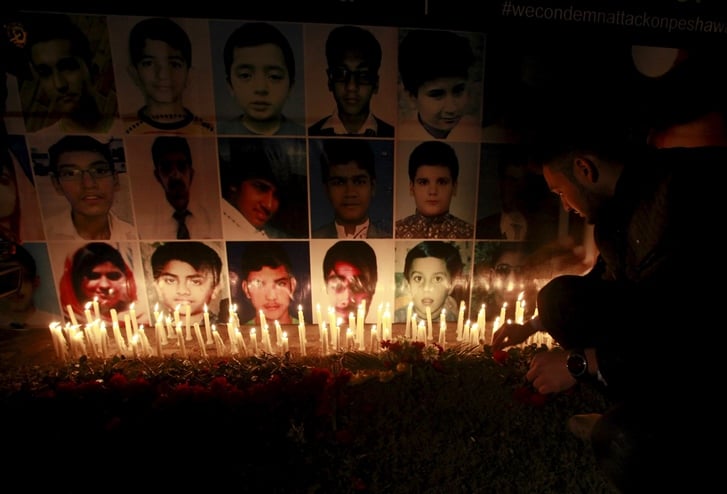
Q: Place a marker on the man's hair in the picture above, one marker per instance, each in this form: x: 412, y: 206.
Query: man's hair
x: 343, y: 151
x: 359, y: 254
x: 91, y: 255
x: 445, y: 251
x: 345, y: 39
x: 77, y: 143
x: 258, y: 255
x: 158, y: 29
x: 200, y: 256
x: 599, y: 133
x: 256, y: 34
x: 434, y: 153
x: 164, y: 145
x: 47, y: 27
x: 425, y: 55
x: 260, y: 158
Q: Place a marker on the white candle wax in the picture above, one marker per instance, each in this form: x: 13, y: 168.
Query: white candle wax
x: 207, y: 328
x: 428, y: 310
x: 71, y: 315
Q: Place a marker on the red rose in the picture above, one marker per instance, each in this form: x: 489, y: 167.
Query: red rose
x: 500, y: 356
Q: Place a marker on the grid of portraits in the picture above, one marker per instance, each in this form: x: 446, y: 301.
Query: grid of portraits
x: 280, y: 167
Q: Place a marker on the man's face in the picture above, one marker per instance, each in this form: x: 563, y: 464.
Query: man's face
x: 353, y: 84
x: 270, y: 290
x: 430, y: 284
x: 441, y: 103
x: 90, y: 193
x: 432, y: 189
x: 107, y: 283
x: 65, y: 78
x: 574, y: 196
x: 180, y: 284
x: 258, y: 201
x: 174, y: 172
x: 259, y: 81
x: 350, y: 190
x: 346, y: 289
x: 161, y: 73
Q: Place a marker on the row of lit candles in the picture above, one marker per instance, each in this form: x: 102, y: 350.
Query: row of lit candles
x: 73, y: 340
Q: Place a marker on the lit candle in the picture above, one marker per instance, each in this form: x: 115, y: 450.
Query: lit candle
x: 278, y: 334
x: 301, y: 318
x: 132, y: 316
x: 200, y: 341
x: 114, y: 317
x: 180, y: 339
x: 520, y: 311
x: 324, y: 340
x: 87, y: 313
x: 443, y: 328
x: 188, y: 321
x: 351, y: 320
x: 96, y: 310
x: 263, y: 321
x: 503, y: 312
x: 253, y: 340
x: 460, y: 320
x: 240, y: 341
x: 156, y: 311
x: 319, y: 319
x: 159, y: 332
x: 176, y: 315
x: 421, y: 331
x: 409, y: 309
x: 428, y: 310
x: 71, y: 315
x: 481, y: 317
x: 374, y: 339
x: 207, y: 329
x: 129, y: 330
x: 219, y: 344
x: 301, y: 338
x: 349, y: 340
x: 285, y: 342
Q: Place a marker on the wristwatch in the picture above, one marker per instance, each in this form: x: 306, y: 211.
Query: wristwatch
x: 577, y: 363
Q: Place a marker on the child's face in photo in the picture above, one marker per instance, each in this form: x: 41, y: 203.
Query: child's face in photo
x: 180, y: 284
x: 175, y: 173
x: 353, y: 86
x: 432, y: 190
x: 430, y: 284
x: 107, y: 284
x: 271, y: 290
x: 65, y: 78
x: 441, y: 103
x: 350, y: 190
x: 259, y: 81
x: 89, y: 196
x: 346, y: 290
x: 258, y: 201
x: 161, y: 73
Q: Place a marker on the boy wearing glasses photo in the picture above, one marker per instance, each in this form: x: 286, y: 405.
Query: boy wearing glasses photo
x: 353, y: 56
x: 83, y: 171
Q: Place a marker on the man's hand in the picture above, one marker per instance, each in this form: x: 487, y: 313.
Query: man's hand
x: 510, y: 334
x: 548, y: 372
